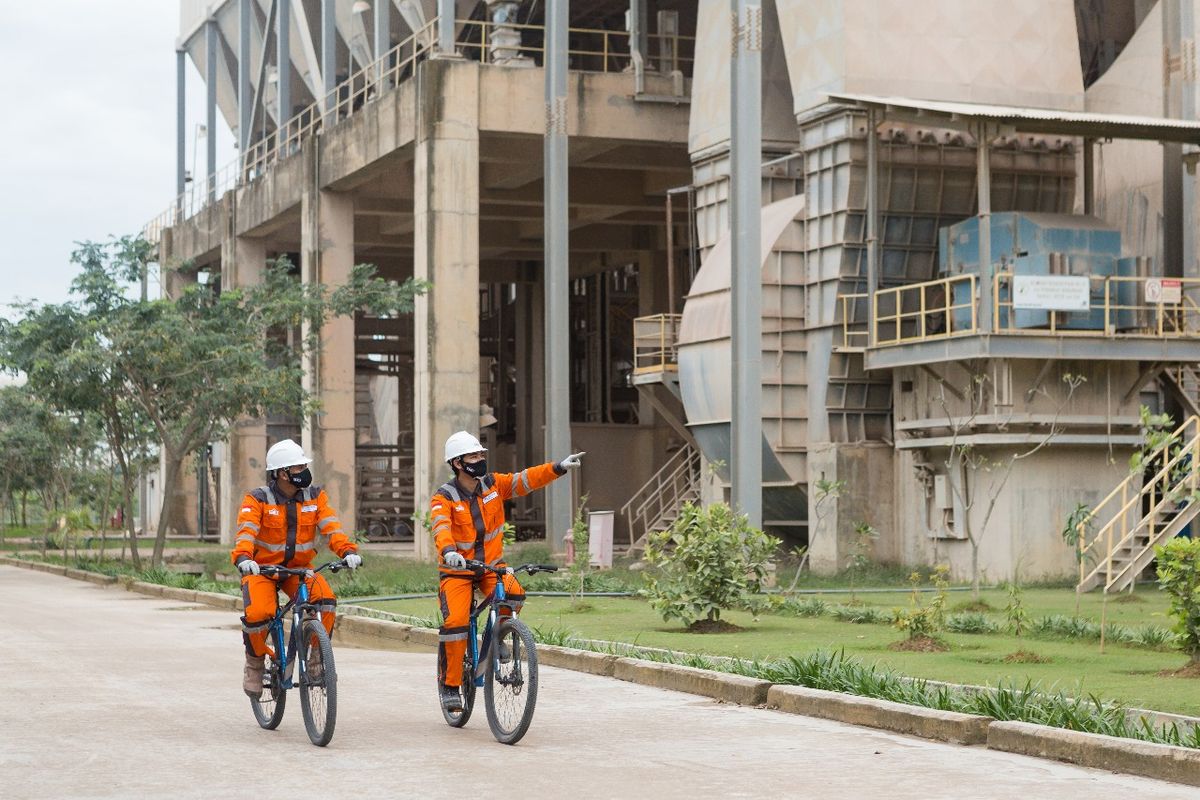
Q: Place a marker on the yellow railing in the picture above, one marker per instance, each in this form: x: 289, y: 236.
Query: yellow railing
x: 922, y: 311
x: 1121, y: 510
x: 654, y: 343
x: 593, y: 50
x: 856, y: 333
x: 1119, y: 308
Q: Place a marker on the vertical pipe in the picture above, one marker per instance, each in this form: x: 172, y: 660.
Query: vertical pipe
x: 1172, y: 245
x: 984, y: 182
x: 210, y: 106
x: 558, y: 410
x: 328, y: 54
x: 383, y: 34
x: 638, y: 16
x: 670, y: 260
x: 446, y: 27
x: 1187, y: 24
x: 745, y: 210
x: 245, y: 93
x: 1089, y: 176
x: 872, y: 225
x: 180, y: 122
x: 283, y: 65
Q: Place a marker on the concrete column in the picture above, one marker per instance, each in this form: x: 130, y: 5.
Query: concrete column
x: 245, y: 92
x: 180, y: 122
x: 243, y: 459
x: 210, y: 106
x: 446, y: 253
x: 326, y: 258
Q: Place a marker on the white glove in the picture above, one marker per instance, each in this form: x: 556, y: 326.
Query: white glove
x: 455, y: 560
x: 248, y: 567
x: 573, y: 461
x: 353, y: 561
x: 509, y: 571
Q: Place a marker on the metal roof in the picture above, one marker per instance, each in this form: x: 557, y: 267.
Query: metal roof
x: 1030, y: 120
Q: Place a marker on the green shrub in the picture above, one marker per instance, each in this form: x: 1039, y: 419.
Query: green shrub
x: 860, y: 615
x: 1179, y: 576
x: 971, y: 622
x: 808, y: 607
x: 920, y: 620
x: 710, y: 560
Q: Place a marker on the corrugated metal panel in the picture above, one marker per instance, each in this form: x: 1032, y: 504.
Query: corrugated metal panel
x: 1031, y: 120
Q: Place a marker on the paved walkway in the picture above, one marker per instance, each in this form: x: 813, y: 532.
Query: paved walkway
x: 110, y: 694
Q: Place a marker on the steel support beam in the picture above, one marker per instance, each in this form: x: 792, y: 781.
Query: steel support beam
x: 445, y: 10
x: 1172, y: 171
x: 983, y: 163
x: 383, y: 34
x: 180, y: 122
x: 1089, y: 176
x: 328, y: 54
x: 283, y: 65
x: 1187, y: 110
x: 245, y: 93
x: 557, y: 331
x: 745, y: 213
x: 872, y: 223
x: 210, y: 107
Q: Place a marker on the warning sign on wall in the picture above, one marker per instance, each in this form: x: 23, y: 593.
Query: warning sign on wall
x: 1164, y: 290
x: 1051, y: 292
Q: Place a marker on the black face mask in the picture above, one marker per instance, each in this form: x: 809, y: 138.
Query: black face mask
x: 301, y: 480
x: 476, y: 470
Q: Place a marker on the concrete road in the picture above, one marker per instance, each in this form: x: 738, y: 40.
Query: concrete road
x: 109, y: 694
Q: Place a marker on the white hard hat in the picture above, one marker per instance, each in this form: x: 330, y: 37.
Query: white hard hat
x: 461, y: 443
x: 285, y: 454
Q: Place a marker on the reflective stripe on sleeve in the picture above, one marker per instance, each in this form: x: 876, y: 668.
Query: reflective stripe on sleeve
x: 524, y: 476
x: 325, y: 523
x: 249, y: 525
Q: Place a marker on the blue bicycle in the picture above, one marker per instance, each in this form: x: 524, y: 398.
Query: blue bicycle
x: 504, y: 663
x: 310, y: 648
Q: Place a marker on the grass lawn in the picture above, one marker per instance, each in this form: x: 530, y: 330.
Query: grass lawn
x: 1129, y: 675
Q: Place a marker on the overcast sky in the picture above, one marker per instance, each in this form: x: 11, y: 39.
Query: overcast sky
x: 87, y: 137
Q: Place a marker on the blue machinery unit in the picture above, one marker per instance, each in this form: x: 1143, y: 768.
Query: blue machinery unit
x: 1045, y: 244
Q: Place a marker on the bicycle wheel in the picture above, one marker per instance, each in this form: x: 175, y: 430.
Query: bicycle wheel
x: 510, y: 691
x: 268, y: 706
x: 318, y: 687
x: 456, y: 719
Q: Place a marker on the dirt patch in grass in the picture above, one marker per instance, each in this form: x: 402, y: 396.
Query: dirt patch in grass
x: 1128, y: 598
x: 1025, y: 657
x: 1192, y: 670
x: 977, y: 606
x: 919, y: 644
x: 714, y: 626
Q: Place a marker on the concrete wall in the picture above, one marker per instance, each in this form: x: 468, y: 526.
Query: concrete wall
x: 869, y: 495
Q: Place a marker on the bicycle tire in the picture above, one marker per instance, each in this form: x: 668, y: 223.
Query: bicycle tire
x: 269, y: 712
x: 318, y: 698
x: 457, y: 719
x: 510, y: 689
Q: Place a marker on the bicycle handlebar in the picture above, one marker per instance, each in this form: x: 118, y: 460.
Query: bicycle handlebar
x: 273, y: 569
x: 479, y: 567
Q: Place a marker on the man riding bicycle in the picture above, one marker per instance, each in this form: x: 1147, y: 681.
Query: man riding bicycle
x: 467, y: 517
x: 278, y: 525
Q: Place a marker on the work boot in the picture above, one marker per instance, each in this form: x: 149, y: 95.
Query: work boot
x: 314, y: 666
x: 252, y: 677
x: 451, y: 699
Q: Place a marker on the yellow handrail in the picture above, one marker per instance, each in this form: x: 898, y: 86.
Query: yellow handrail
x: 654, y: 340
x: 941, y: 310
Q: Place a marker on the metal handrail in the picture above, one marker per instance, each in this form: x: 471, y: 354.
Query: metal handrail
x: 654, y: 343
x: 1125, y: 500
x: 591, y: 50
x: 676, y: 478
x: 918, y: 312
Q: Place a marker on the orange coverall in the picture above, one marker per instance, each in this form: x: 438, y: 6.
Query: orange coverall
x: 471, y: 524
x: 275, y: 530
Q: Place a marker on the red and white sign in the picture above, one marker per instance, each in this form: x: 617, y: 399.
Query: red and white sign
x: 1164, y: 290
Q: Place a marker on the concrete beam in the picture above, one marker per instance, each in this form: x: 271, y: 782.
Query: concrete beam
x: 446, y: 253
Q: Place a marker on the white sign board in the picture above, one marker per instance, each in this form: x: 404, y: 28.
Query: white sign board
x: 1164, y: 290
x: 1051, y: 292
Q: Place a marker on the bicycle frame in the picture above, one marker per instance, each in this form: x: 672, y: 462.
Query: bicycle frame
x: 491, y: 605
x: 285, y: 656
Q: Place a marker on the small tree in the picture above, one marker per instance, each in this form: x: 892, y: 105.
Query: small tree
x: 1080, y: 523
x: 1179, y: 576
x: 922, y: 622
x: 1015, y: 612
x: 709, y: 561
x: 583, y: 558
x: 860, y: 554
x: 824, y: 493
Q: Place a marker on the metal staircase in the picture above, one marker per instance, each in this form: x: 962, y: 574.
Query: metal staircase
x: 655, y: 506
x: 1142, y: 512
x: 1183, y: 381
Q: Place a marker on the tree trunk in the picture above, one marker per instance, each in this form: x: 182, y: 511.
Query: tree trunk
x: 174, y: 468
x: 975, y: 570
x: 24, y: 519
x: 127, y: 492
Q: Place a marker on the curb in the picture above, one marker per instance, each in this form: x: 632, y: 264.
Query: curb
x: 1160, y: 761
x: 928, y: 723
x: 1129, y: 756
x: 719, y: 686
